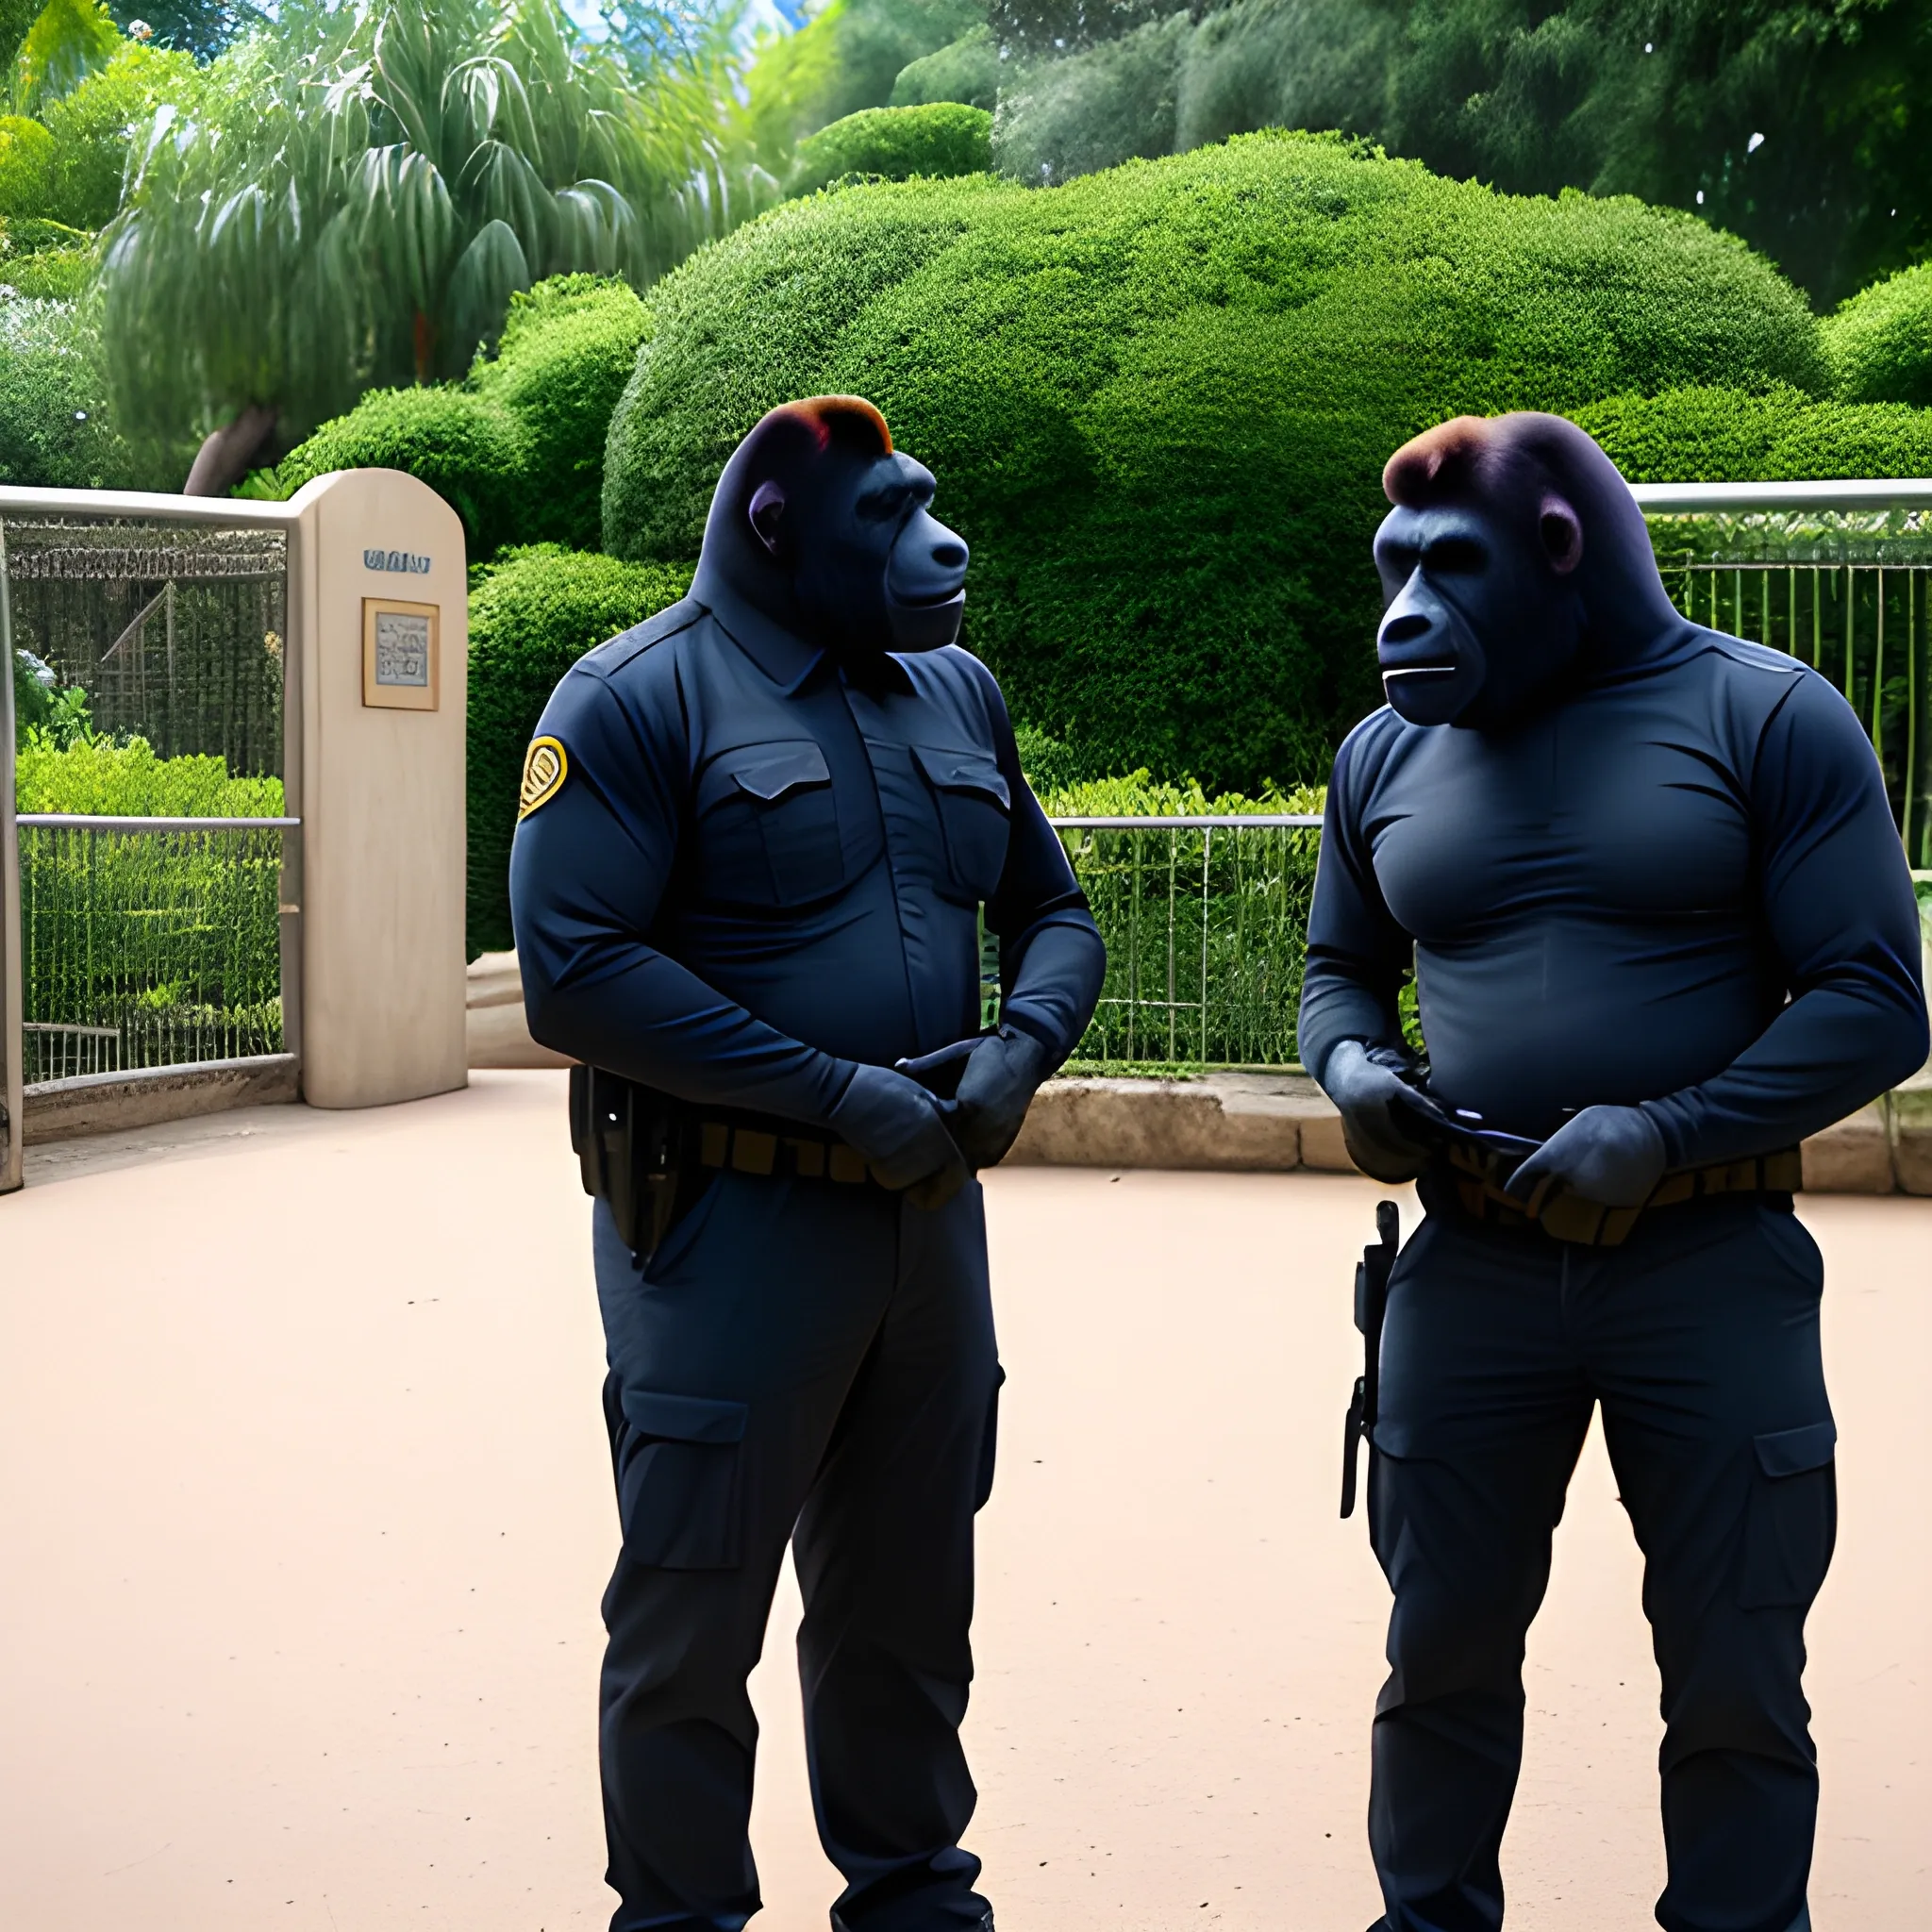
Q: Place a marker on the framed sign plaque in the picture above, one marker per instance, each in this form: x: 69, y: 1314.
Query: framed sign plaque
x: 399, y: 654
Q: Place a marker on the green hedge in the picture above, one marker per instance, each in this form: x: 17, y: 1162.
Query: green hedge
x: 176, y: 941
x: 1880, y: 341
x: 1710, y: 435
x: 108, y: 779
x: 533, y: 614
x: 941, y: 139
x: 1158, y: 401
x: 567, y: 351
x: 518, y: 449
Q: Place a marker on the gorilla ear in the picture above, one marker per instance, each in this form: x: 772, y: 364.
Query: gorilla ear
x: 767, y: 513
x: 1562, y: 530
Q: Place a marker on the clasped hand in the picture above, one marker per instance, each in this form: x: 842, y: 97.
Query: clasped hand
x: 927, y: 1124
x: 1613, y: 1156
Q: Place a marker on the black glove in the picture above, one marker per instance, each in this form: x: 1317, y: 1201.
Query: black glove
x: 901, y: 1129
x: 1385, y: 1123
x: 992, y: 1080
x: 1613, y: 1156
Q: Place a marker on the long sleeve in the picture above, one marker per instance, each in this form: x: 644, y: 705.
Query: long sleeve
x: 588, y: 870
x: 1357, y: 953
x: 1052, y: 958
x: 1839, y: 912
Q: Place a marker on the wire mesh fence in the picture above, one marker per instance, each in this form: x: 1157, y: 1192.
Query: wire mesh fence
x: 1205, y: 923
x: 173, y: 631
x: 149, y: 943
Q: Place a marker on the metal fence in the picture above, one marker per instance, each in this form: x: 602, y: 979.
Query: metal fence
x: 1837, y: 574
x: 173, y: 631
x: 1863, y: 626
x: 149, y: 943
x: 1205, y: 923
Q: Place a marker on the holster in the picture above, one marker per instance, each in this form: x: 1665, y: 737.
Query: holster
x: 630, y: 1141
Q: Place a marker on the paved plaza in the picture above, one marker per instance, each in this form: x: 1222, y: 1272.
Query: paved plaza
x: 305, y: 1509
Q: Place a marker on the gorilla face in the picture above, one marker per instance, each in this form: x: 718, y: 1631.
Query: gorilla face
x: 1483, y: 617
x: 872, y: 569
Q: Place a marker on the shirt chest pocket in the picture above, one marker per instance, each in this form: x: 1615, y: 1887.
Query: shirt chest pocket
x: 768, y: 825
x: 975, y: 812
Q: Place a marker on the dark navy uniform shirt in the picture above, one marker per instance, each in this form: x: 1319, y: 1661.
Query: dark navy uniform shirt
x: 756, y: 870
x: 1614, y: 902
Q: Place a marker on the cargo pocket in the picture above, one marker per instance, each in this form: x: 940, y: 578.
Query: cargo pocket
x: 988, y: 1441
x: 975, y: 806
x: 678, y: 1480
x: 1791, y: 1519
x: 768, y: 825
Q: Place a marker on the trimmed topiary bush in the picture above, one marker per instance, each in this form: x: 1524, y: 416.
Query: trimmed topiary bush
x: 942, y: 139
x: 1880, y: 341
x: 568, y: 349
x: 967, y: 71
x: 533, y: 613
x: 517, y: 450
x: 468, y: 448
x: 1158, y: 401
x: 1723, y: 436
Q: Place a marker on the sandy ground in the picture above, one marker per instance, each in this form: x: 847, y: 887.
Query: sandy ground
x: 305, y: 1512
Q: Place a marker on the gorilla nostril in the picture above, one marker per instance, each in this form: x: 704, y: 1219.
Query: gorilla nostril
x: 949, y: 555
x: 1406, y: 629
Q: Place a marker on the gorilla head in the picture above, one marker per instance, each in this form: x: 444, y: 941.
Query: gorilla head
x: 821, y: 524
x: 1515, y: 554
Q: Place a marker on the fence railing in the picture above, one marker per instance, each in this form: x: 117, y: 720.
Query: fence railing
x: 1205, y: 923
x: 150, y: 942
x: 1837, y: 574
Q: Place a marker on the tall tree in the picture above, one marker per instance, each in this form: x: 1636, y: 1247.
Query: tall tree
x: 1799, y: 124
x: 361, y: 214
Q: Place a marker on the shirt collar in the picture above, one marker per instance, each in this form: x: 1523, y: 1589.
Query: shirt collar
x: 783, y: 655
x: 787, y: 658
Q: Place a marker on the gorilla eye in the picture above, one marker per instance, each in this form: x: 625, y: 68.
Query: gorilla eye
x: 1456, y: 556
x: 883, y: 506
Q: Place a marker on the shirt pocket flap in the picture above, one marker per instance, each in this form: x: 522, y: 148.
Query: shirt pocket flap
x: 684, y: 1418
x: 1793, y: 1452
x: 766, y: 772
x: 964, y: 771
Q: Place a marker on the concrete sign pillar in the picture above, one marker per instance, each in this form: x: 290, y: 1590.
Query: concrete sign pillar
x: 376, y: 761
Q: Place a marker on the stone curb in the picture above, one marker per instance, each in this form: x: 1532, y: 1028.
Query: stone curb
x: 1281, y: 1124
x: 109, y: 1103
x: 1252, y: 1123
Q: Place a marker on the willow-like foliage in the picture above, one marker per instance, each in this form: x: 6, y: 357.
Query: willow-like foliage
x: 362, y: 214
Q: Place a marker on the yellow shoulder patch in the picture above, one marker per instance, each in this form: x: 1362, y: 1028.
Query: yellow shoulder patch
x: 545, y: 767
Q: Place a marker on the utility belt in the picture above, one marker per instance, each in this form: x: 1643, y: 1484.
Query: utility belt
x: 1473, y: 1178
x: 646, y: 1156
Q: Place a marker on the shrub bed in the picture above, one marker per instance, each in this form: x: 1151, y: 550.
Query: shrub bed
x: 174, y: 941
x: 517, y: 450
x: 533, y: 614
x: 1159, y: 400
x: 1713, y: 435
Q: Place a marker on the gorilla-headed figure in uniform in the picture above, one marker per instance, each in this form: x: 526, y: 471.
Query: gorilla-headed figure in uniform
x: 758, y: 833
x: 1662, y: 929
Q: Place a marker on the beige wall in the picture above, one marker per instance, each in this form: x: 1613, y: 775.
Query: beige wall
x: 381, y: 794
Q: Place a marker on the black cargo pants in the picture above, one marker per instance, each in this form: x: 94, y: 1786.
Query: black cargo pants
x: 813, y: 1361
x: 1699, y: 1337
